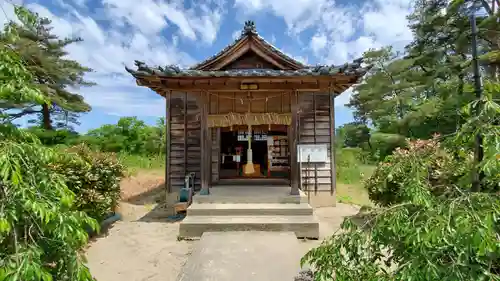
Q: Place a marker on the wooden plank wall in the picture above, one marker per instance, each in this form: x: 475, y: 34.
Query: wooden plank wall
x: 225, y: 102
x: 315, y: 128
x: 215, y: 154
x: 185, y: 137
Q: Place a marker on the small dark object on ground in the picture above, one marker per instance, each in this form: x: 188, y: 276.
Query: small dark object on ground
x: 305, y: 275
x: 177, y: 217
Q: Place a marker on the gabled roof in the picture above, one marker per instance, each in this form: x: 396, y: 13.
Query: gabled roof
x: 220, y: 72
x: 249, y: 40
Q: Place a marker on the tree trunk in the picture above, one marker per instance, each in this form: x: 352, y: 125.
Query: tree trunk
x: 46, y: 122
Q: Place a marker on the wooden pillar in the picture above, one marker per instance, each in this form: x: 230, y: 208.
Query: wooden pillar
x: 185, y: 112
x: 293, y: 137
x: 168, y: 118
x: 205, y: 145
x: 333, y: 167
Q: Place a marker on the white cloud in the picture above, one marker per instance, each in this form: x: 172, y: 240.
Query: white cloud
x: 124, y: 30
x: 318, y: 42
x: 236, y: 34
x: 343, y: 99
x: 342, y: 32
x: 299, y: 16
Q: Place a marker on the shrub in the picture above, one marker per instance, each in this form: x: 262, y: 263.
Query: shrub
x: 94, y: 177
x: 433, y: 228
x: 436, y: 168
x: 54, y: 137
x: 383, y: 145
x: 41, y: 233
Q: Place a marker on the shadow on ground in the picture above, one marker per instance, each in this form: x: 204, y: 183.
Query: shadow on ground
x: 154, y: 195
x: 148, y: 206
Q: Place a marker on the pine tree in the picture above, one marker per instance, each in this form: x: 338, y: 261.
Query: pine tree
x: 54, y: 74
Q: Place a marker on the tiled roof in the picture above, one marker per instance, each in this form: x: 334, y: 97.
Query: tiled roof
x: 353, y: 68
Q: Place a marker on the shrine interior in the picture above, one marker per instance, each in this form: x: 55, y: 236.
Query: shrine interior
x: 269, y: 152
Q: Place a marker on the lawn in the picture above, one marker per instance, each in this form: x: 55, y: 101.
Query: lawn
x: 353, y: 192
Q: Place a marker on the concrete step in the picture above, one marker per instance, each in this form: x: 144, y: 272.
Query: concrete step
x: 249, y: 209
x: 263, y: 198
x: 302, y: 226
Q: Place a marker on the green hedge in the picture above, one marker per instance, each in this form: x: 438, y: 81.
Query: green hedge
x: 94, y: 177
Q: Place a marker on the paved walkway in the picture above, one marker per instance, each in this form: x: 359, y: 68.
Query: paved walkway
x: 244, y: 256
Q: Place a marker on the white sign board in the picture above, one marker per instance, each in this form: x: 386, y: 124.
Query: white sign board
x: 314, y: 153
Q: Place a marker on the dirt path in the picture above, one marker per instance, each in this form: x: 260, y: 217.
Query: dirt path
x: 144, y: 246
x: 137, y: 251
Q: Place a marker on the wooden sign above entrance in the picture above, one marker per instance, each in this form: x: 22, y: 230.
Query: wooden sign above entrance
x: 254, y: 119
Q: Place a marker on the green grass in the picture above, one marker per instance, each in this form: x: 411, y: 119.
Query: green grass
x: 136, y: 163
x: 350, y: 176
x: 353, y: 192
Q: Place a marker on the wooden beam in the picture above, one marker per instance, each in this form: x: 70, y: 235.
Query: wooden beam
x: 292, y: 142
x: 206, y: 161
x: 185, y: 134
x: 314, y: 137
x: 318, y: 86
x: 168, y: 95
x: 333, y: 167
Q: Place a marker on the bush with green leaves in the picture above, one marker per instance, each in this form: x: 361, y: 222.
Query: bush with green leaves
x: 383, y: 144
x: 54, y: 137
x: 41, y: 231
x: 387, y: 185
x: 94, y: 177
x: 432, y: 226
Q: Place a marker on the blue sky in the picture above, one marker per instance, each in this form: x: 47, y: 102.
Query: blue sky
x: 160, y: 32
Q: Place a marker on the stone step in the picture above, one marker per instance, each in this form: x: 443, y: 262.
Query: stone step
x: 285, y: 199
x: 302, y: 226
x: 249, y: 209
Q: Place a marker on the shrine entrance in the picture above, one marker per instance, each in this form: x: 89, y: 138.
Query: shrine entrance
x: 269, y: 152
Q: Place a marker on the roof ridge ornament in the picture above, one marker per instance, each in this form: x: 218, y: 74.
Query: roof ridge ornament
x: 249, y: 28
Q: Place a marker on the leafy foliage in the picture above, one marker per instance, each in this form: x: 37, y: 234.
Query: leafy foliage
x: 40, y: 230
x: 439, y: 171
x: 355, y: 135
x: 382, y: 144
x: 431, y: 223
x: 54, y: 137
x: 129, y: 135
x: 51, y: 71
x: 17, y: 81
x: 41, y: 233
x: 437, y: 239
x: 94, y: 178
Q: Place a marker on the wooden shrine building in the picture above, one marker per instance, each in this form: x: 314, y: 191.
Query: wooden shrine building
x: 242, y: 113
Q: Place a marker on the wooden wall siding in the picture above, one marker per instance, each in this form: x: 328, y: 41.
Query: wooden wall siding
x: 249, y: 60
x: 185, y: 151
x: 314, y: 128
x: 215, y: 153
x: 224, y: 102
